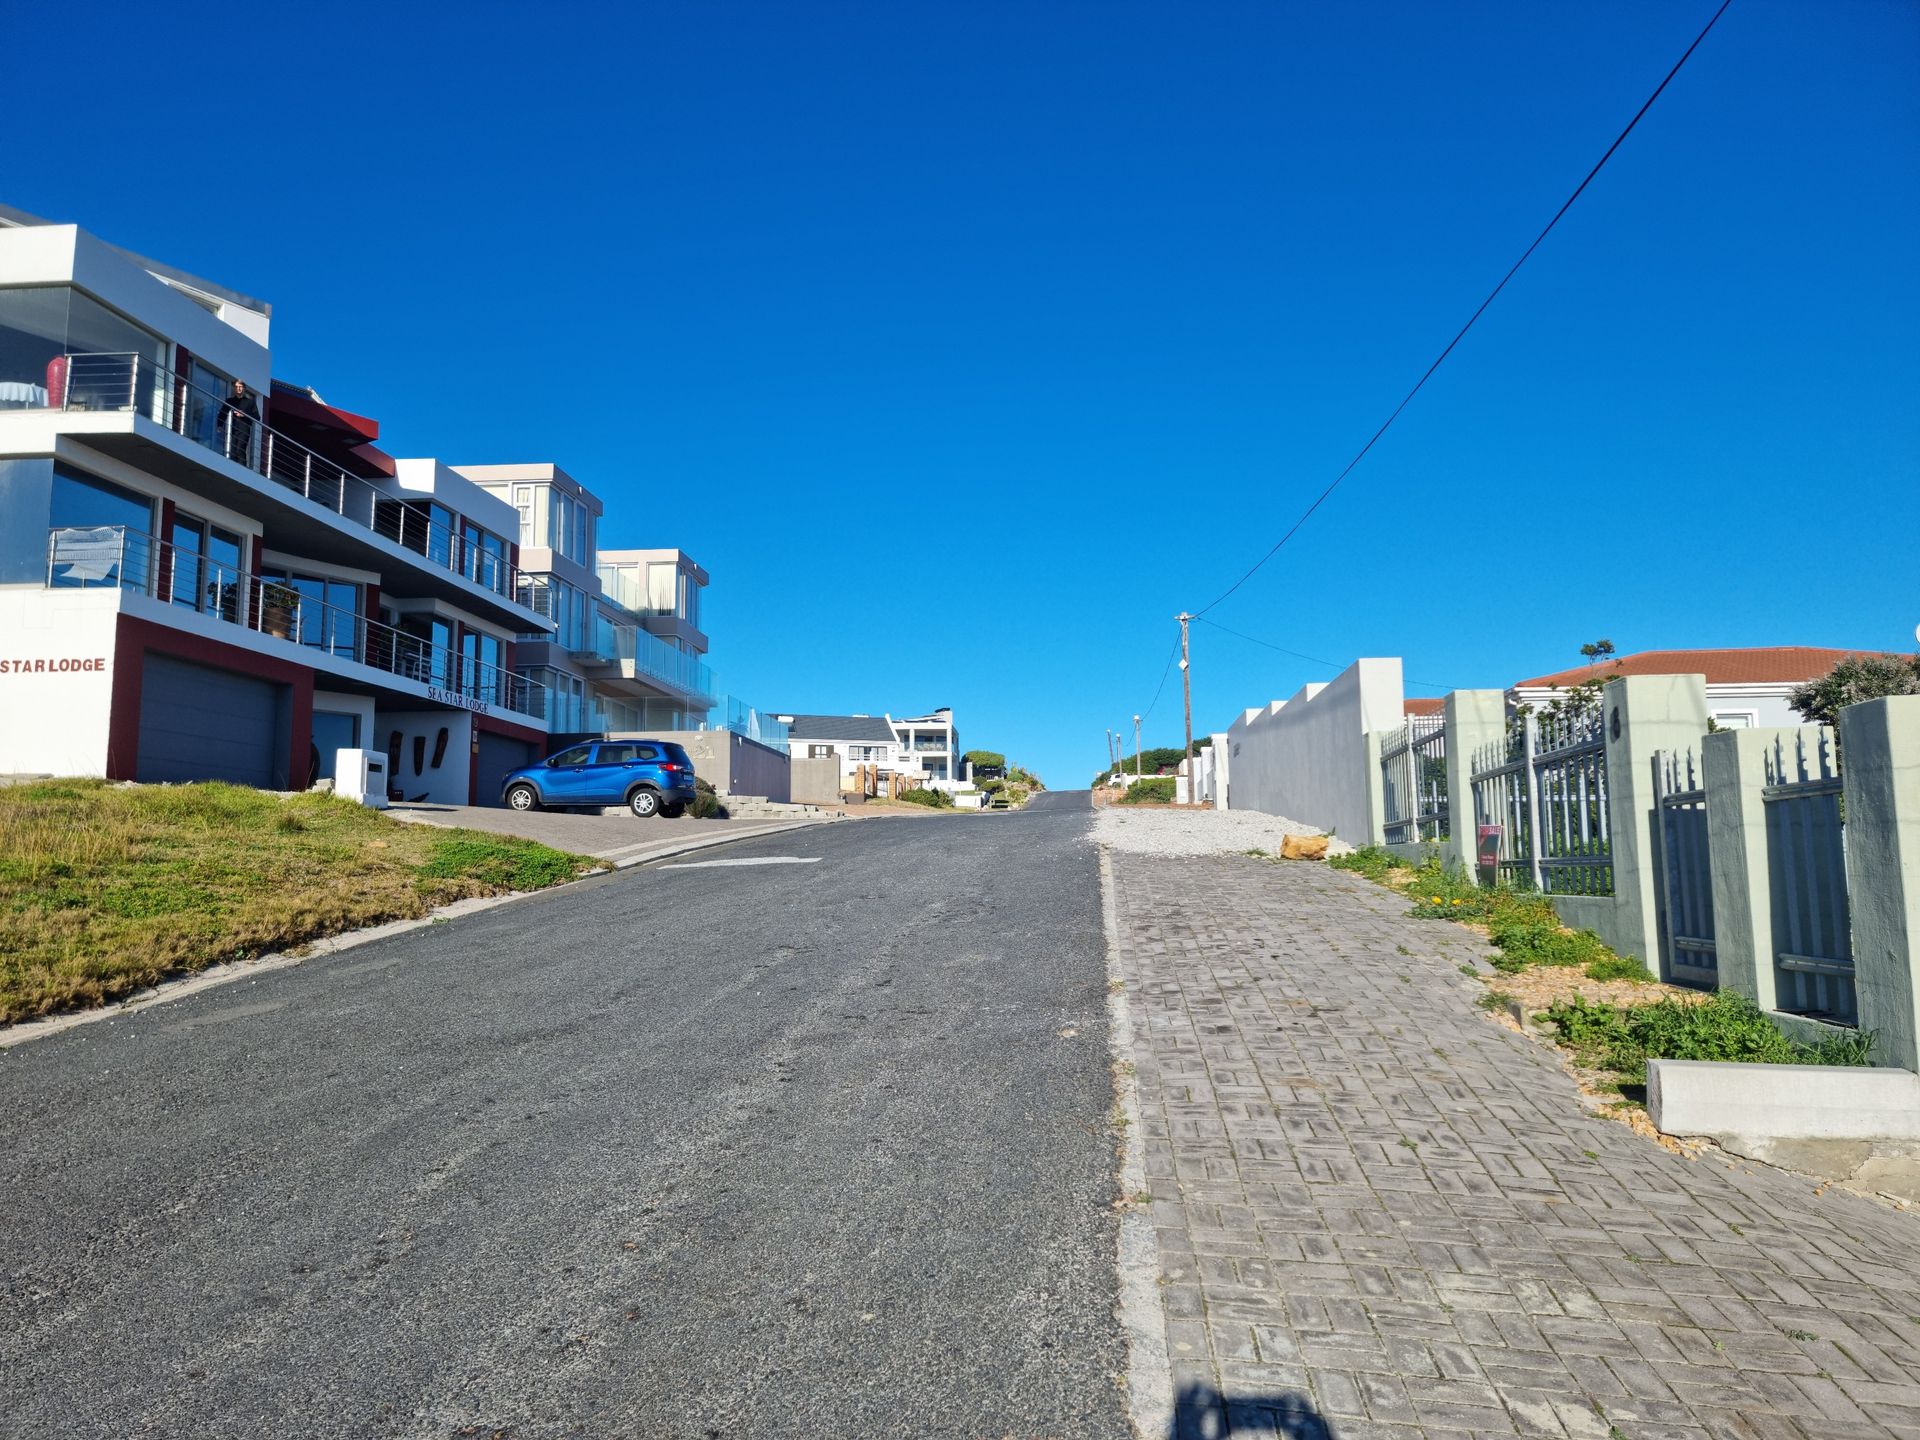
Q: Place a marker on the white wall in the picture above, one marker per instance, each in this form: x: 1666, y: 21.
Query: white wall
x: 447, y: 785
x: 56, y: 680
x: 1306, y: 758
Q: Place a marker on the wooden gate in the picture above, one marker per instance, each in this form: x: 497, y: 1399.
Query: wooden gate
x: 1686, y: 873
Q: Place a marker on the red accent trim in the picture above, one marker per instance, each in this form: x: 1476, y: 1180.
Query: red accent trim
x: 163, y: 582
x: 135, y: 639
x: 495, y: 726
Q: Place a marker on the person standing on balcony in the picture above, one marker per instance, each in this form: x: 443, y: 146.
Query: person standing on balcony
x: 241, y: 415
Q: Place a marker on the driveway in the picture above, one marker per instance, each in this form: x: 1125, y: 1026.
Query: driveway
x: 617, y: 837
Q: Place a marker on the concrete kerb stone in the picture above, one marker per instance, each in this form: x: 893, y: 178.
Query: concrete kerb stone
x: 1724, y: 1098
x: 169, y: 991
x: 1149, y: 1368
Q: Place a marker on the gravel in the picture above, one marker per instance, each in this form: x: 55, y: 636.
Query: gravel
x: 1200, y: 832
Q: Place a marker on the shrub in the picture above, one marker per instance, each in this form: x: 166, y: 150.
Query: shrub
x: 1855, y: 678
x: 1155, y: 790
x: 1373, y: 861
x: 1619, y: 967
x: 932, y: 799
x: 1725, y: 1026
x: 706, y: 801
x: 984, y: 757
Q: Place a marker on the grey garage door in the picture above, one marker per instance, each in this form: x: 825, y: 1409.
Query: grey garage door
x: 498, y: 755
x: 199, y: 723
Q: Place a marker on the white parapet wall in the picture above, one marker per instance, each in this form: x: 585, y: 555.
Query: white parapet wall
x: 1306, y: 758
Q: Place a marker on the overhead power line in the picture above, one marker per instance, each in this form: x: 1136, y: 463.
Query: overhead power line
x: 1492, y: 295
x: 1147, y: 713
x: 1316, y: 659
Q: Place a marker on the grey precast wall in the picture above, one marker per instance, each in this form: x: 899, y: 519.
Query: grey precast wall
x: 1308, y: 758
x: 733, y: 764
x: 816, y: 782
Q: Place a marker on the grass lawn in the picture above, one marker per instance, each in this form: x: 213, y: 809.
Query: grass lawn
x: 105, y: 889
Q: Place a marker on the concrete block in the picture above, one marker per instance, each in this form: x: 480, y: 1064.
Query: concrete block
x: 1726, y: 1099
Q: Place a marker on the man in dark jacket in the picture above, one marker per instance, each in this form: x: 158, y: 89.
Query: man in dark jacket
x: 241, y: 414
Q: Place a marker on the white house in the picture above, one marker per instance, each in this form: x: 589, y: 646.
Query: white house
x: 853, y: 740
x: 1745, y: 688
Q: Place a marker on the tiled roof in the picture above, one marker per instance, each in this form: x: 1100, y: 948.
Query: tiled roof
x: 1770, y: 664
x: 1423, y: 705
x: 863, y: 729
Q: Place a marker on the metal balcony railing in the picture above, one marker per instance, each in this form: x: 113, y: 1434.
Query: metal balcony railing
x: 113, y: 555
x: 132, y: 382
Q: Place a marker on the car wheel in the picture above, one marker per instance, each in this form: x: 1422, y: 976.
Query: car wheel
x: 523, y: 798
x: 644, y: 803
x: 674, y: 809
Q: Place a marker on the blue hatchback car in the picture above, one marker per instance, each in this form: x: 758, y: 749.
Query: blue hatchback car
x: 649, y: 777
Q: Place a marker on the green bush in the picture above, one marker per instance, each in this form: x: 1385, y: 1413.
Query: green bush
x: 1725, y: 1026
x: 932, y: 799
x: 1154, y: 790
x: 706, y: 801
x: 1372, y: 861
x: 984, y: 757
x: 1619, y: 967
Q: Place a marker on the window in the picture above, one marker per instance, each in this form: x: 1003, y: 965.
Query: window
x: 523, y: 502
x: 663, y: 583
x: 820, y: 752
x: 1735, y: 719
x: 82, y: 502
x: 572, y: 755
x: 120, y: 365
x: 619, y: 754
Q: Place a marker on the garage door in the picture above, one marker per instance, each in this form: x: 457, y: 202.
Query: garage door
x: 199, y: 723
x: 498, y: 755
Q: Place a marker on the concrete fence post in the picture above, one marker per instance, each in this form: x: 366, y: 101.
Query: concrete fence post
x: 1880, y: 770
x: 1733, y: 765
x: 1376, y: 793
x: 1641, y: 714
x: 1221, y: 750
x: 1475, y: 719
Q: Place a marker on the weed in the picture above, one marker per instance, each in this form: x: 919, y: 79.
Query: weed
x: 1737, y: 1229
x: 1409, y: 1144
x: 1470, y: 971
x: 1619, y: 967
x: 1725, y: 1026
x: 1494, y: 1000
x: 1591, y: 1154
x: 1372, y: 861
x: 1799, y: 1334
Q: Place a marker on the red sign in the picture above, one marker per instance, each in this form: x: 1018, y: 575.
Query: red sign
x: 61, y: 665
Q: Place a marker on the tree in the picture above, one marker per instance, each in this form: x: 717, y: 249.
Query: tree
x: 1855, y: 678
x: 1597, y: 651
x: 984, y: 757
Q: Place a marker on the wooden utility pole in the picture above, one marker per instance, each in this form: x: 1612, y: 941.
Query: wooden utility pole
x: 1186, y: 687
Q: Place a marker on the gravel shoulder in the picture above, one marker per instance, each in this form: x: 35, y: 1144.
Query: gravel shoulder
x: 1138, y: 830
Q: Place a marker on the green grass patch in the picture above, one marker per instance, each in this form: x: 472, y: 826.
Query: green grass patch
x: 105, y: 889
x: 1372, y: 861
x: 1153, y: 790
x: 1725, y: 1026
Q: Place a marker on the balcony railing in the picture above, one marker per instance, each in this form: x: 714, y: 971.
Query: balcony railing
x: 131, y: 382
x: 650, y: 657
x: 113, y: 555
x: 755, y: 724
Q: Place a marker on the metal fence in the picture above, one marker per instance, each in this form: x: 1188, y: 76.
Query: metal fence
x: 1807, y: 876
x: 1413, y: 780
x: 1542, y: 795
x: 1686, y: 871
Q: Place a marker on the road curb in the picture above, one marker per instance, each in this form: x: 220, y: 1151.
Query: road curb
x: 213, y: 976
x: 1149, y: 1365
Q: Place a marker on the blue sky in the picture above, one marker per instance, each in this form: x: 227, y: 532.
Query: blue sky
x: 965, y: 345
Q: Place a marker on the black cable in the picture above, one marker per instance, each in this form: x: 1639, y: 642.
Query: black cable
x: 1316, y: 659
x: 1568, y: 205
x: 1148, y: 712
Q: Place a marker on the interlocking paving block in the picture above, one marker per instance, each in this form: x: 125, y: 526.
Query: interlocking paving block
x: 1378, y: 1204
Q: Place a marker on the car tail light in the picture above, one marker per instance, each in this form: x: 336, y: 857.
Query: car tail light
x: 669, y: 765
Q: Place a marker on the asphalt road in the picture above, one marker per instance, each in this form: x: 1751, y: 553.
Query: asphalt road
x: 786, y: 1150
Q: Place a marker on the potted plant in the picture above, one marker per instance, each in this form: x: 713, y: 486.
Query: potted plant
x: 278, y: 602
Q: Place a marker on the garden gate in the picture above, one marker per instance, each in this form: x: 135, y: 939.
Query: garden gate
x: 1807, y: 874
x: 1686, y: 872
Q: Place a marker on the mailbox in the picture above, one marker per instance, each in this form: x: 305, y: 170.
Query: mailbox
x: 361, y: 776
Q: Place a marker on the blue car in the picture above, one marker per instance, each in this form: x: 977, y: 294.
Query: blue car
x: 649, y: 777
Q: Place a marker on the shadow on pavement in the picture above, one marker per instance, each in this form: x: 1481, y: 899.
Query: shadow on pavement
x: 1203, y: 1413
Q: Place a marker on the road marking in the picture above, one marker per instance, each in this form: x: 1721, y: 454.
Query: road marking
x: 757, y: 860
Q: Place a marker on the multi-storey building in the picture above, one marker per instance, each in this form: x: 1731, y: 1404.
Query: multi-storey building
x: 930, y: 748
x: 922, y: 751
x: 625, y: 648
x: 207, y: 574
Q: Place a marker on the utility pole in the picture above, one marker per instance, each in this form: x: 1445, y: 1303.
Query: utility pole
x: 1186, y: 687
x: 1136, y: 747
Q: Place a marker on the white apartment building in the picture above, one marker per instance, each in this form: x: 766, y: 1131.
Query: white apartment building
x: 923, y: 750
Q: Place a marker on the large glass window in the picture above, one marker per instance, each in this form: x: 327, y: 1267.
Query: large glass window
x: 81, y: 502
x: 482, y: 655
x: 115, y: 363
x: 663, y: 587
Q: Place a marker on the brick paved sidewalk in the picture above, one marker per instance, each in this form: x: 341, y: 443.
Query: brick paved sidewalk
x: 1380, y: 1214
